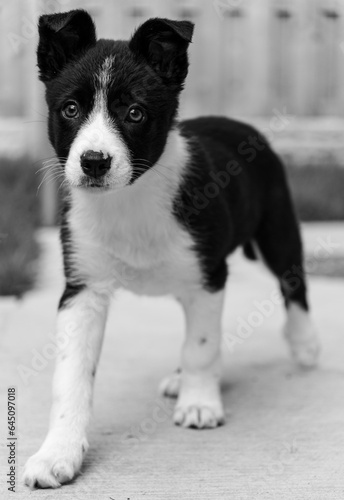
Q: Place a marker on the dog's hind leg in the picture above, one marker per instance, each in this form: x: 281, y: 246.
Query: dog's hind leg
x: 199, y: 402
x: 279, y: 242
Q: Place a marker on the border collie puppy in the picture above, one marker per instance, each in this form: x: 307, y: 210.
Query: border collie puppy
x: 155, y: 206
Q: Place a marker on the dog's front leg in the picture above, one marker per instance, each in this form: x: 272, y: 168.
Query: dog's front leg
x: 80, y: 327
x: 199, y: 402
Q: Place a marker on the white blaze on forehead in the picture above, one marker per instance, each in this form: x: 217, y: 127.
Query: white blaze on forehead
x: 104, y: 76
x: 99, y: 133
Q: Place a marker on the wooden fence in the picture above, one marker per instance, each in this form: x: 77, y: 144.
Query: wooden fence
x: 250, y: 58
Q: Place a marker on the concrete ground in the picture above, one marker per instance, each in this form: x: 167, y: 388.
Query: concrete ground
x: 284, y: 434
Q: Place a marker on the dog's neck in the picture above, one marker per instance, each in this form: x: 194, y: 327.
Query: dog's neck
x: 137, y: 223
x: 152, y: 193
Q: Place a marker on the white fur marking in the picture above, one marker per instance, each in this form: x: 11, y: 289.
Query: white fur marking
x: 104, y: 77
x: 199, y: 403
x: 130, y: 237
x: 100, y: 134
x: 301, y: 336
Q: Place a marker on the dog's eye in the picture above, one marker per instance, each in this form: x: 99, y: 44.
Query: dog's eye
x: 70, y: 110
x: 135, y: 115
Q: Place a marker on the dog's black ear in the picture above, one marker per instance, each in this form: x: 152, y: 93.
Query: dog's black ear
x: 163, y: 44
x: 62, y: 38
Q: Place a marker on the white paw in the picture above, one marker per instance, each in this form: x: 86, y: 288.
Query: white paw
x: 302, y: 337
x: 170, y: 385
x: 57, y: 462
x: 199, y: 403
x: 305, y: 351
x: 199, y: 416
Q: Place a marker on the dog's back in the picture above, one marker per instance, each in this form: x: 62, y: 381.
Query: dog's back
x: 235, y: 186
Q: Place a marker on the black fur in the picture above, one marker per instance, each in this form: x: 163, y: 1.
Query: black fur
x: 163, y: 45
x: 231, y: 194
x: 63, y: 38
x: 249, y: 251
x: 229, y: 199
x: 70, y: 291
x: 74, y: 283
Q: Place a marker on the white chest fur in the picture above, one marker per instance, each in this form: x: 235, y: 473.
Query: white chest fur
x: 130, y: 238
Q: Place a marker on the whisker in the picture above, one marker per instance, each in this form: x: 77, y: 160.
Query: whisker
x: 53, y: 161
x: 160, y: 173
x: 52, y: 180
x: 140, y: 165
x: 58, y: 160
x: 164, y: 166
x: 53, y: 167
x: 48, y: 178
x: 62, y: 183
x: 35, y: 121
x: 142, y: 159
x: 42, y: 160
x: 157, y: 164
x: 142, y: 170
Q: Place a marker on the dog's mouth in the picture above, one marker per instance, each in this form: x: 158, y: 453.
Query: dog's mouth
x: 101, y: 183
x: 93, y: 184
x: 98, y: 185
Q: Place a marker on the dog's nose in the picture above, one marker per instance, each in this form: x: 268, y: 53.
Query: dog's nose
x: 94, y: 164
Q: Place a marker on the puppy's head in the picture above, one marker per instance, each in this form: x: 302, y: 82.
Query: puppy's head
x: 111, y: 103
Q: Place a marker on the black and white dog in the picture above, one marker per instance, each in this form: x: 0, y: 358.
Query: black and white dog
x: 156, y: 206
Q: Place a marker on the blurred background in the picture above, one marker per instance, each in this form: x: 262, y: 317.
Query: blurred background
x: 278, y: 64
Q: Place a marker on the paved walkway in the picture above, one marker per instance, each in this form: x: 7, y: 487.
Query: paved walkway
x: 284, y: 435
